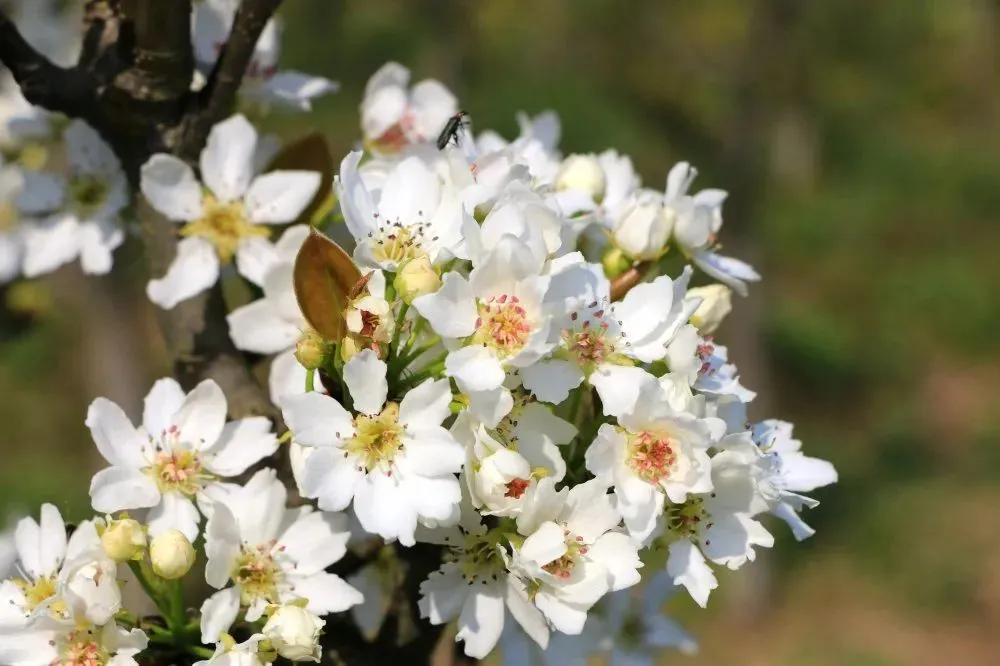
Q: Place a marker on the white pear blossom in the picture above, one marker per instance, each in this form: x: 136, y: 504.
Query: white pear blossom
x: 51, y: 641
x: 495, y: 321
x: 229, y: 217
x: 642, y: 228
x: 53, y: 575
x: 262, y: 82
x: 414, y: 214
x: 76, y: 214
x: 271, y: 555
x: 654, y: 454
x: 572, y: 553
x: 697, y: 222
x: 474, y: 587
x: 394, y: 115
x: 180, y: 453
x: 603, y: 343
x: 785, y: 472
x: 718, y: 526
x: 393, y: 459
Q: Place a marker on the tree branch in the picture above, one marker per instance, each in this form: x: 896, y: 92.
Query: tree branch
x: 43, y: 83
x: 216, y: 100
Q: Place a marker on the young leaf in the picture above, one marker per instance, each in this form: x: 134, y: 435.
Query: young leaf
x: 324, y: 277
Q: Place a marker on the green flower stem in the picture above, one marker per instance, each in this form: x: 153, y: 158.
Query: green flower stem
x: 400, y: 320
x: 310, y: 380
x: 199, y: 651
x: 177, y: 619
x: 404, y: 361
x: 150, y: 583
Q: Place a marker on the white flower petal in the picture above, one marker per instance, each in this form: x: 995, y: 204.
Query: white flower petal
x: 427, y: 405
x: 451, y: 310
x: 297, y: 89
x: 50, y: 243
x: 259, y: 327
x: 117, y: 489
x: 327, y: 593
x: 193, y: 270
x: 222, y: 545
x: 174, y: 512
x: 618, y: 553
x: 254, y: 256
x: 687, y: 566
x: 218, y: 614
x: 317, y: 420
x: 52, y: 541
x: 432, y: 451
x: 87, y: 152
x: 279, y: 197
x: 170, y: 187
x: 202, y: 415
x: 474, y: 368
x: 330, y: 479
x: 481, y: 621
x: 365, y: 377
x: 315, y: 541
x: 620, y: 387
x: 383, y: 508
x: 160, y: 405
x: 286, y: 377
x: 98, y: 240
x: 226, y: 161
x: 242, y: 444
x: 116, y: 438
x: 544, y: 545
x: 552, y: 380
x: 728, y: 270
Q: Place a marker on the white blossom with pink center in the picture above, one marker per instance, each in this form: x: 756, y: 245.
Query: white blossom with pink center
x: 181, y: 454
x: 395, y: 115
x: 495, y: 321
x: 655, y: 453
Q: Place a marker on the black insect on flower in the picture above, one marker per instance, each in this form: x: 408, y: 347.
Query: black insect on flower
x: 450, y: 132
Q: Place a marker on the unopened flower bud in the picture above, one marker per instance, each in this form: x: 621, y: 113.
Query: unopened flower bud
x: 416, y: 278
x: 615, y: 262
x: 124, y: 539
x: 642, y: 230
x: 171, y: 554
x: 582, y: 172
x: 294, y: 633
x: 716, y: 302
x: 311, y: 350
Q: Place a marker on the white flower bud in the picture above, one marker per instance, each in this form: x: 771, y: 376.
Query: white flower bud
x: 643, y: 229
x: 171, y: 554
x: 416, y: 278
x: 294, y: 633
x: 123, y: 539
x: 582, y: 172
x: 716, y: 302
x: 311, y: 350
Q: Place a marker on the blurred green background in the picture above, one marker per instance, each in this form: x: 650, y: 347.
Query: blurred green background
x: 859, y: 141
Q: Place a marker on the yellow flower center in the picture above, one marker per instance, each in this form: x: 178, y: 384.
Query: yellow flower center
x: 178, y: 469
x: 397, y: 244
x: 38, y: 592
x: 502, y: 324
x: 652, y: 456
x: 87, y: 193
x: 377, y: 439
x: 224, y: 225
x: 257, y: 574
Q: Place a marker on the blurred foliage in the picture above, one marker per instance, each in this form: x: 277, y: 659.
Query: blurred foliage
x: 860, y: 142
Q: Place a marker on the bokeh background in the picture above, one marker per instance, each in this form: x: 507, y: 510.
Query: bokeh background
x: 860, y: 143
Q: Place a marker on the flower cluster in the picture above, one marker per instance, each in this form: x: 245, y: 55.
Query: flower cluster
x: 504, y: 357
